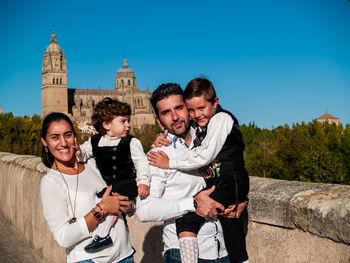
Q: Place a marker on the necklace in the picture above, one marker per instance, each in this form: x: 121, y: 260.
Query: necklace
x: 73, y: 219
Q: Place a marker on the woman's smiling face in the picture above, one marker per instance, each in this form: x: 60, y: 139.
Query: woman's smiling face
x: 60, y: 141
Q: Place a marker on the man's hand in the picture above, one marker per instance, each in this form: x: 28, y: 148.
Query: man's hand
x: 161, y: 140
x: 234, y: 212
x: 206, y: 206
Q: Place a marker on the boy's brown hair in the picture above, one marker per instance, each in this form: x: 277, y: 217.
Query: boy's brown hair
x: 198, y: 87
x: 106, y: 110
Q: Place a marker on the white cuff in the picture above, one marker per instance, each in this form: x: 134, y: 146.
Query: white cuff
x: 187, y: 205
x: 83, y: 228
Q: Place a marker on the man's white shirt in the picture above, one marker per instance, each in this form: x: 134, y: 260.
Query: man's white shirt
x: 171, y: 196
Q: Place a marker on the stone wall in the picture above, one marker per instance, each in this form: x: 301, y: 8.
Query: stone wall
x: 289, y: 221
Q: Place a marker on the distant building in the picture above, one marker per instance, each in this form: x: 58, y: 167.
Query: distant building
x: 79, y: 103
x: 328, y: 118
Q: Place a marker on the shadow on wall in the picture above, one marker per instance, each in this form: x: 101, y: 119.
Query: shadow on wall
x: 153, y: 242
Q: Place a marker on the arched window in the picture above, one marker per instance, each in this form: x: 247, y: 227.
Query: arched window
x: 122, y: 82
x: 57, y: 81
x: 60, y: 81
x: 129, y: 82
x: 53, y: 81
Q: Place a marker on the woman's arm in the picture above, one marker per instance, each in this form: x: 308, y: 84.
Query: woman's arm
x: 57, y: 216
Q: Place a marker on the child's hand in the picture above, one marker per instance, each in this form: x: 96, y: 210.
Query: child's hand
x: 158, y: 159
x: 76, y: 148
x: 161, y: 140
x: 143, y: 190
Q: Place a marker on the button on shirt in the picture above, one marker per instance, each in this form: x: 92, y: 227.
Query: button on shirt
x: 171, y: 193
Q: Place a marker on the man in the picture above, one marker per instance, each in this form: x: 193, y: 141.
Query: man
x: 172, y: 191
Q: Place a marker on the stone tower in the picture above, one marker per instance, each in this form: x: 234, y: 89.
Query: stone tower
x: 125, y: 80
x: 54, y: 94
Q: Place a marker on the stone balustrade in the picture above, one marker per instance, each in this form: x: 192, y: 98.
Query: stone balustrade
x: 289, y: 221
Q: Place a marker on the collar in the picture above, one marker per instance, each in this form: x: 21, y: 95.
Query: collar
x: 174, y: 139
x: 109, y: 138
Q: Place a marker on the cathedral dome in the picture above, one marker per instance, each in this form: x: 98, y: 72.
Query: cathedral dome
x: 125, y: 70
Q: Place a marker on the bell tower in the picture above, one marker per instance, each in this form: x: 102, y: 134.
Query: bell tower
x: 54, y: 92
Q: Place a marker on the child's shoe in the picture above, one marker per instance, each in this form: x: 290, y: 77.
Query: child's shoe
x: 98, y: 242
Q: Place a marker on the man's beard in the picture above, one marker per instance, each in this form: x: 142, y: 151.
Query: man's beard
x: 180, y: 132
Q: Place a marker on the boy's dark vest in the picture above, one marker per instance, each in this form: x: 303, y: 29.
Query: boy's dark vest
x: 228, y: 166
x: 115, y: 165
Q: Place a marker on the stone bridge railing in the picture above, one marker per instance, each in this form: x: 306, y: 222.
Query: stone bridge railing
x: 289, y: 221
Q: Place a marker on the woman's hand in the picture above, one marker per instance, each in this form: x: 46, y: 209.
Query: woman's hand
x: 161, y: 140
x: 158, y: 159
x: 112, y: 204
x: 125, y: 205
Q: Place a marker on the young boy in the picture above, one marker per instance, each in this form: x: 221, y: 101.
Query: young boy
x: 117, y: 156
x: 219, y: 157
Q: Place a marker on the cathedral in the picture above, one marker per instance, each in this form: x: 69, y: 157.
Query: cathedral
x: 79, y: 103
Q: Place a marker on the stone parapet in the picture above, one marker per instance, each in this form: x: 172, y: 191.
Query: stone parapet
x: 320, y: 209
x: 289, y: 221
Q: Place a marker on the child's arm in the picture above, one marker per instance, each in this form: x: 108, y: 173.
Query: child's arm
x: 85, y: 151
x: 218, y: 129
x: 141, y: 165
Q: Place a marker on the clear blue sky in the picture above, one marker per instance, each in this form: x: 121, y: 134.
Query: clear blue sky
x: 271, y: 62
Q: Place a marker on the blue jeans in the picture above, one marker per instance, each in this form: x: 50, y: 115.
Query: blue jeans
x: 125, y: 260
x: 173, y: 256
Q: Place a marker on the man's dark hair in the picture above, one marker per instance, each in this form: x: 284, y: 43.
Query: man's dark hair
x: 106, y: 110
x: 198, y: 87
x: 164, y: 91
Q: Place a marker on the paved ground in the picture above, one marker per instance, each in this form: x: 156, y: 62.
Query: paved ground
x: 12, y: 247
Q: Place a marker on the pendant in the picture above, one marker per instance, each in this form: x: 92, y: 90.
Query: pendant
x: 72, y: 220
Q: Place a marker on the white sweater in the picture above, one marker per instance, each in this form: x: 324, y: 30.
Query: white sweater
x: 74, y: 237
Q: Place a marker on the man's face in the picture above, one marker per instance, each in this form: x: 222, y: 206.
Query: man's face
x: 173, y: 115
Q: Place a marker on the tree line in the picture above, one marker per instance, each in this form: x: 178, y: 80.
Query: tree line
x: 311, y: 152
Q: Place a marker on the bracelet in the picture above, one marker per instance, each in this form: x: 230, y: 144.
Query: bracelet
x: 103, y: 213
x: 195, y: 205
x: 97, y: 215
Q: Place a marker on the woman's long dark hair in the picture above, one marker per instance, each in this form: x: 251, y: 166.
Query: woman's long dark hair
x: 46, y: 156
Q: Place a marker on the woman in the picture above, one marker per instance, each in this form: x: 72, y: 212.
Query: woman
x: 68, y: 194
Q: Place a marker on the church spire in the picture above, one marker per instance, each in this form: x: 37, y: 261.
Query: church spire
x: 125, y: 62
x: 53, y: 36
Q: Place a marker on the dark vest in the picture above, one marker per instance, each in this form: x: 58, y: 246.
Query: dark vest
x: 115, y: 165
x: 228, y: 166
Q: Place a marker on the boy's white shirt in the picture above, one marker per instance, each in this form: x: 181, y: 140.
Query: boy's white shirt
x: 219, y: 127
x: 137, y: 155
